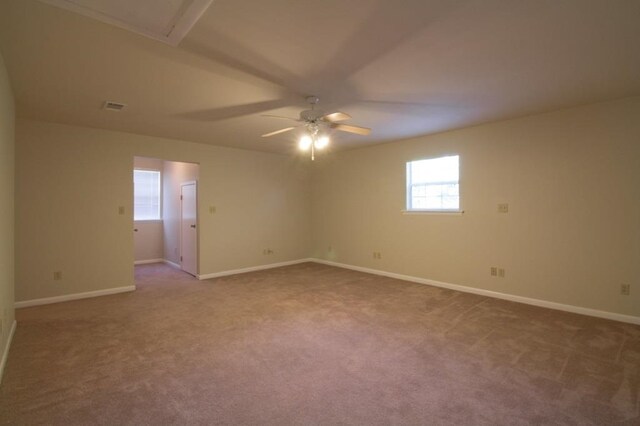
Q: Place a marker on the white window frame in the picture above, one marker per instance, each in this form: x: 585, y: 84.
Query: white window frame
x: 159, y: 219
x: 409, y: 185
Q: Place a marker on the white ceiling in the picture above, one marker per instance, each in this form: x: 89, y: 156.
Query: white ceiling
x: 402, y: 68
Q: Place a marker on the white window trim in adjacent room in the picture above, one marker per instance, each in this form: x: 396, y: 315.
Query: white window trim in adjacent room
x: 409, y: 184
x: 434, y: 212
x: 159, y: 216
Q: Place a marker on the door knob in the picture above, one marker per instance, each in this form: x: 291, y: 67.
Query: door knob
x: 135, y: 230
x: 193, y: 226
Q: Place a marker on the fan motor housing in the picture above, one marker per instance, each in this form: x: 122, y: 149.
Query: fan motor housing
x: 311, y: 115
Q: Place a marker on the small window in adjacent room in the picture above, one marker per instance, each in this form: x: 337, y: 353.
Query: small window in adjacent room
x: 433, y: 185
x: 146, y: 195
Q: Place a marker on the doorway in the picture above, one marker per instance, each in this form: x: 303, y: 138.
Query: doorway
x: 161, y: 239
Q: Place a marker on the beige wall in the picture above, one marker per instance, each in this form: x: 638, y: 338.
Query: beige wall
x: 174, y: 174
x: 148, y: 240
x: 572, y: 181
x: 7, y: 121
x: 148, y: 163
x: 71, y: 181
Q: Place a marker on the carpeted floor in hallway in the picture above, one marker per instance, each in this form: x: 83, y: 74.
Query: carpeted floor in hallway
x: 313, y: 344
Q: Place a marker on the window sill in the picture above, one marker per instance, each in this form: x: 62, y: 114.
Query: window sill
x: 434, y: 212
x: 148, y: 221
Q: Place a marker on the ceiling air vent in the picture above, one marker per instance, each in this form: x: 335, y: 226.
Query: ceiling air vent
x: 113, y: 106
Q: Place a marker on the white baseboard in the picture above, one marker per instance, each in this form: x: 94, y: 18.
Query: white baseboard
x: 159, y: 260
x: 144, y: 262
x: 170, y: 263
x: 75, y: 296
x: 513, y: 298
x: 251, y: 269
x: 5, y: 352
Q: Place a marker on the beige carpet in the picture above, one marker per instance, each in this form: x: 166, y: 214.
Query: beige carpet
x: 312, y: 344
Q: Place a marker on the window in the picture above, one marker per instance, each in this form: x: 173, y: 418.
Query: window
x: 432, y: 185
x: 146, y: 195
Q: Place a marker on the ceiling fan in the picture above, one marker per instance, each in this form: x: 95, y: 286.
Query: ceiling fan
x: 314, y: 121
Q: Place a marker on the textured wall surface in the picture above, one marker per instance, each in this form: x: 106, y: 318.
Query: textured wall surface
x: 7, y: 162
x: 572, y: 182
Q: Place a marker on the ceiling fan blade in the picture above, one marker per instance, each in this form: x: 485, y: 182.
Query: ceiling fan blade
x: 351, y: 129
x: 335, y: 116
x: 279, y: 116
x: 233, y: 111
x: 266, y: 135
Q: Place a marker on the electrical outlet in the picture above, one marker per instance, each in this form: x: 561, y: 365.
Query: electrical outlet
x: 625, y: 289
x: 377, y: 255
x: 212, y: 209
x: 57, y: 275
x: 501, y: 272
x: 267, y: 251
x: 503, y: 208
x: 494, y: 271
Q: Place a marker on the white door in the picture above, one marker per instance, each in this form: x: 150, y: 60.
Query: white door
x: 188, y: 230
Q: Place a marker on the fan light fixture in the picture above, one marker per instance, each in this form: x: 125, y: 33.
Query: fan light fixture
x: 305, y: 143
x: 313, y: 142
x: 322, y: 142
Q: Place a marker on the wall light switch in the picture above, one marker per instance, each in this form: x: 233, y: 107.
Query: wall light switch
x: 120, y: 209
x: 212, y: 209
x: 503, y: 208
